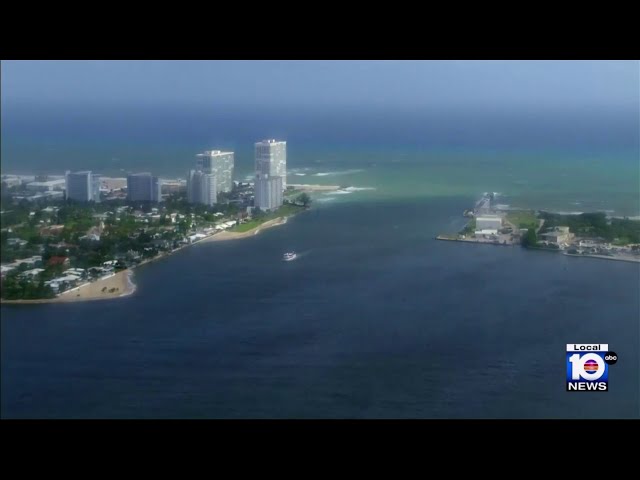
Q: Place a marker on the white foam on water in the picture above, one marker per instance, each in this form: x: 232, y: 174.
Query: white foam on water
x: 358, y: 189
x: 348, y: 190
x: 326, y: 199
x: 343, y: 172
x: 339, y: 192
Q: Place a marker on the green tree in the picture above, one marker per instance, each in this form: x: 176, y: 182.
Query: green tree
x: 303, y: 199
x: 530, y: 239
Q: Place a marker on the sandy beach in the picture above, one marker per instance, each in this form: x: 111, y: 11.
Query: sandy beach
x: 114, y: 286
x: 117, y: 285
x: 120, y: 284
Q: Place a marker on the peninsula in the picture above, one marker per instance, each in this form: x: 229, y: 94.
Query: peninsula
x: 64, y: 251
x: 593, y: 235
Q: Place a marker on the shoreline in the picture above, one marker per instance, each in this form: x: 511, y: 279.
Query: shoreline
x: 226, y: 235
x: 114, y: 286
x: 122, y: 281
x: 601, y: 257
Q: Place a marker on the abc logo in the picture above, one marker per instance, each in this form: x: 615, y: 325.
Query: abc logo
x: 590, y: 366
x: 611, y: 358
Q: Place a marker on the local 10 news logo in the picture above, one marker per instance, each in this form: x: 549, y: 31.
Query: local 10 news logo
x: 588, y: 367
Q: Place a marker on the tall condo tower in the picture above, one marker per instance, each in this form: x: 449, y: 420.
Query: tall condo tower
x: 267, y: 192
x: 271, y: 159
x: 143, y: 187
x: 202, y: 187
x: 82, y: 186
x: 220, y: 164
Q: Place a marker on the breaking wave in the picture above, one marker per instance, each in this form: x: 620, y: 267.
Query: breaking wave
x: 343, y: 172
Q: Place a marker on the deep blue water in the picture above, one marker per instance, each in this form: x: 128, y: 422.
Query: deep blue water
x: 375, y: 319
x: 165, y: 139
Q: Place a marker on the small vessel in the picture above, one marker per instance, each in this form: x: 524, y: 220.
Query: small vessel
x: 287, y: 257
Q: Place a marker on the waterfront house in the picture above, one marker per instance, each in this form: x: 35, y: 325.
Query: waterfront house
x: 29, y: 262
x: 79, y: 272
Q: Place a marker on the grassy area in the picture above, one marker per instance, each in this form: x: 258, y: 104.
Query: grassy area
x: 283, y: 211
x: 596, y: 224
x: 245, y: 227
x: 523, y: 218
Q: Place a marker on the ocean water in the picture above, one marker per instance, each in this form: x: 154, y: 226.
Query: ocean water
x: 375, y: 319
x: 566, y: 161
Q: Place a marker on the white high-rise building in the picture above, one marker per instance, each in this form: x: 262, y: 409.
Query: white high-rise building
x: 220, y: 164
x: 267, y: 192
x: 202, y: 187
x: 271, y: 159
x: 208, y: 189
x: 82, y: 186
x: 143, y: 187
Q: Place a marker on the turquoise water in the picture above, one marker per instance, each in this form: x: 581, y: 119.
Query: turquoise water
x: 553, y: 181
x: 560, y: 181
x: 567, y: 161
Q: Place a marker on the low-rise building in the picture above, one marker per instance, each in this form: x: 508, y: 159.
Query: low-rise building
x: 559, y: 235
x: 486, y: 231
x: 80, y: 272
x: 28, y: 262
x: 488, y: 222
x: 45, y: 186
x: 113, y: 183
x: 34, y: 272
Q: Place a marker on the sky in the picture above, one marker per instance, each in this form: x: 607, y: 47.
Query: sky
x: 401, y: 85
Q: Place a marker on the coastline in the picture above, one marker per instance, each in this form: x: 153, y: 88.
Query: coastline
x: 118, y: 285
x: 122, y: 282
x: 226, y: 235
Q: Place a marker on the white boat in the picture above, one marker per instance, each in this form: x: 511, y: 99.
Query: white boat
x: 287, y: 257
